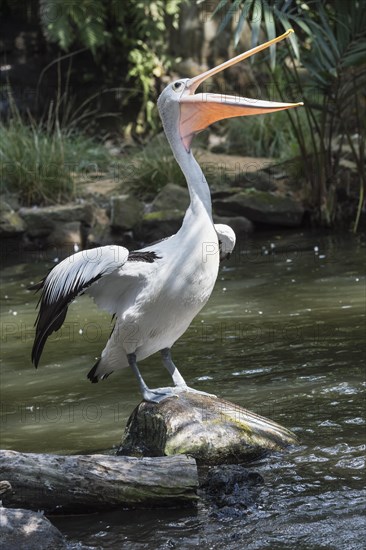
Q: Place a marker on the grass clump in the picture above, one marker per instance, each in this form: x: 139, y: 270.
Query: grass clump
x: 39, y: 159
x: 33, y: 164
x: 152, y: 168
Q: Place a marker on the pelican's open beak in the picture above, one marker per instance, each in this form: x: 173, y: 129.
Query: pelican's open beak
x: 198, y: 111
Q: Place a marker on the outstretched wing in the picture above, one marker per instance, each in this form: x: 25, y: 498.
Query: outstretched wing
x: 67, y: 280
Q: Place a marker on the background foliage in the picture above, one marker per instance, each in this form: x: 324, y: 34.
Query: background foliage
x: 325, y: 66
x: 117, y: 31
x: 130, y: 43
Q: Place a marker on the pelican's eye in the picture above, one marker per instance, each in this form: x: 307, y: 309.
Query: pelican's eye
x: 177, y: 86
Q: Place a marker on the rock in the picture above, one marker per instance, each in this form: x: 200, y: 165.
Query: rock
x: 261, y: 180
x: 11, y: 224
x: 100, y: 234
x: 9, y: 199
x: 166, y: 215
x: 126, y: 212
x: 225, y: 193
x: 209, y: 429
x: 57, y: 225
x: 231, y: 489
x: 25, y: 530
x: 261, y: 207
x: 239, y: 224
x: 40, y: 221
x: 5, y: 486
x: 67, y: 234
x: 159, y: 225
x: 172, y: 197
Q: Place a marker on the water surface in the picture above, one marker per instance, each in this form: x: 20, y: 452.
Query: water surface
x: 282, y: 335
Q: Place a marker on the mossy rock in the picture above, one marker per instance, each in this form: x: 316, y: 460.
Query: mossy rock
x: 163, y: 216
x: 262, y: 207
x: 171, y: 198
x: 11, y: 224
x: 209, y: 429
x: 159, y: 225
x: 42, y: 221
x: 126, y: 212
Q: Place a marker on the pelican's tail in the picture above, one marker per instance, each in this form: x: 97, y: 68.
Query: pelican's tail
x: 113, y: 358
x: 100, y: 371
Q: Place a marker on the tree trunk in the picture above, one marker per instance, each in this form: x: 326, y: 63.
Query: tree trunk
x: 79, y: 484
x: 211, y: 430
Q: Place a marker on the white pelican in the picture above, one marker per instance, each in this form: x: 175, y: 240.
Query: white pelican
x: 155, y: 292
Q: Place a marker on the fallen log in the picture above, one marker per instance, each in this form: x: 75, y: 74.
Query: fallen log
x: 75, y: 484
x: 211, y: 430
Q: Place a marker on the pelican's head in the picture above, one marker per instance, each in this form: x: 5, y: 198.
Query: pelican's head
x: 185, y: 113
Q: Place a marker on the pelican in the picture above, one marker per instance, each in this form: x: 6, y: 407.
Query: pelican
x: 155, y: 292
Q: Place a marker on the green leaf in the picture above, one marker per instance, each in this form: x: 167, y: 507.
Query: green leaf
x: 219, y: 7
x: 328, y: 32
x: 229, y: 15
x: 302, y: 24
x: 271, y: 32
x: 292, y: 37
x: 355, y: 56
x: 244, y: 14
x: 323, y: 50
x: 256, y: 22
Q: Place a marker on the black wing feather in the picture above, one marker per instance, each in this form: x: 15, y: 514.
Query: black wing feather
x: 69, y: 279
x: 52, y: 315
x: 148, y: 256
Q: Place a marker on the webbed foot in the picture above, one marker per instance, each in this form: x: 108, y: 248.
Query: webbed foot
x: 159, y: 394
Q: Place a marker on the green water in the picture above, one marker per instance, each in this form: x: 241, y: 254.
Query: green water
x: 282, y: 335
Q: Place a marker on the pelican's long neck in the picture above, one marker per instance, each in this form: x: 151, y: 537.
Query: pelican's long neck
x: 197, y: 185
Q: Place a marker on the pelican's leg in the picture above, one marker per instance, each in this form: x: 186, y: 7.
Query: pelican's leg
x: 155, y: 396
x: 179, y: 382
x: 171, y: 368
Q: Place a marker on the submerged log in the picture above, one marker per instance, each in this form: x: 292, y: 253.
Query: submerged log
x: 89, y: 483
x: 211, y: 430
